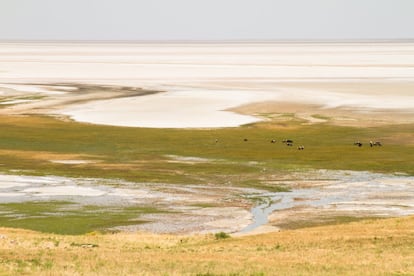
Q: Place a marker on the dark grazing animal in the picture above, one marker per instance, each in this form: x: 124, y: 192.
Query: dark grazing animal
x: 374, y: 144
x: 287, y: 141
x: 358, y: 143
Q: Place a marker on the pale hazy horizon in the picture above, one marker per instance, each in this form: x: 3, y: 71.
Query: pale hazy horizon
x: 214, y: 20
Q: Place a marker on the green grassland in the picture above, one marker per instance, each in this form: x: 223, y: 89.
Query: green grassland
x: 67, y: 218
x: 139, y: 154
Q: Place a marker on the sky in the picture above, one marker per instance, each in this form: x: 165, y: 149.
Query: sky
x: 149, y: 20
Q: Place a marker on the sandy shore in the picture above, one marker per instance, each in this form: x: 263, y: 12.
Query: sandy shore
x: 204, y: 82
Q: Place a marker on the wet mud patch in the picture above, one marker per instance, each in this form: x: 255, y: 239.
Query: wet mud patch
x: 75, y: 206
x: 316, y: 197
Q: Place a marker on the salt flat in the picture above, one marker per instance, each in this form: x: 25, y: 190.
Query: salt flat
x: 203, y: 81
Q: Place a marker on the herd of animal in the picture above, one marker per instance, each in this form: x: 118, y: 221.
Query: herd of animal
x: 371, y: 144
x: 289, y: 143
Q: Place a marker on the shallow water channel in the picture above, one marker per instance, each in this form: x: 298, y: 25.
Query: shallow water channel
x: 352, y: 193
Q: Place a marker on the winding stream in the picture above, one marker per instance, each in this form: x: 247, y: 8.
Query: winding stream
x: 361, y: 193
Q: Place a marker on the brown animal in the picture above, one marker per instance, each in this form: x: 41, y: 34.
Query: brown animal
x: 374, y: 144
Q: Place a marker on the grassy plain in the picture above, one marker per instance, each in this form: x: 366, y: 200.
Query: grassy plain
x: 28, y: 143
x: 372, y: 247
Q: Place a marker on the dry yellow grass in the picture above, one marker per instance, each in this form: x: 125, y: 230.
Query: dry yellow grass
x: 376, y: 247
x: 44, y: 155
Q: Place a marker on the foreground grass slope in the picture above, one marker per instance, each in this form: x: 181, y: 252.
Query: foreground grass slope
x: 372, y: 247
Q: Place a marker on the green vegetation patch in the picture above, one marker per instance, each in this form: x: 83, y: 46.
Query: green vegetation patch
x: 63, y: 217
x: 221, y: 236
x: 241, y: 156
x: 321, y: 117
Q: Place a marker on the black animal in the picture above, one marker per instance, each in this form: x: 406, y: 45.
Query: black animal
x: 245, y: 139
x: 358, y: 143
x: 286, y: 141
